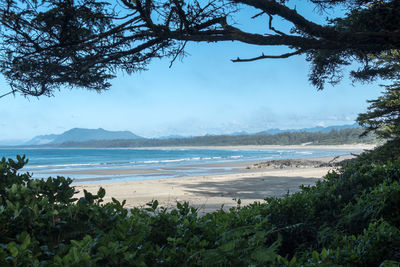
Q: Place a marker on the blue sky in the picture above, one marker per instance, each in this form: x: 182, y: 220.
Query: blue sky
x: 204, y: 94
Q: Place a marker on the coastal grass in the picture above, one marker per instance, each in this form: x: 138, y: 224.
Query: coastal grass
x: 352, y: 217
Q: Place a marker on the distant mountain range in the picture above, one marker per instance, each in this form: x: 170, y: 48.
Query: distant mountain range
x: 83, y: 135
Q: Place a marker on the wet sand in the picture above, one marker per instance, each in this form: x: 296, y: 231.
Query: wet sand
x: 211, y: 192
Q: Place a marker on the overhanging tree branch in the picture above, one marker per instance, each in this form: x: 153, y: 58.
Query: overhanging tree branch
x: 286, y: 55
x: 9, y: 93
x: 272, y: 7
x: 83, y: 43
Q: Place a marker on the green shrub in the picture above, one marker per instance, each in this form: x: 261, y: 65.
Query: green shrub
x: 380, y: 241
x: 350, y: 218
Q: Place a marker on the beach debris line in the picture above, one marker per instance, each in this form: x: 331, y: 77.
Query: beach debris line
x: 296, y: 163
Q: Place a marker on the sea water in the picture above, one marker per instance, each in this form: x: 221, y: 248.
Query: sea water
x: 94, y: 165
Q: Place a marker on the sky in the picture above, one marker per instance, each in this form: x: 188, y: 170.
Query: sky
x: 205, y: 93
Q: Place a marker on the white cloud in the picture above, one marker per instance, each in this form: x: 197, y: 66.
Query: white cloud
x: 333, y: 118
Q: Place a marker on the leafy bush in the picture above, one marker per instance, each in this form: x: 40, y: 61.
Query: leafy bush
x: 350, y: 218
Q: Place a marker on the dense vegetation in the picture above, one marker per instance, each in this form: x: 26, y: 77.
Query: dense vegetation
x: 334, y: 137
x: 352, y: 217
x: 383, y: 115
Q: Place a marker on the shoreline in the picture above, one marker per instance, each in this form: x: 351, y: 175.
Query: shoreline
x: 131, y: 171
x: 213, y: 191
x: 346, y: 147
x: 237, y: 167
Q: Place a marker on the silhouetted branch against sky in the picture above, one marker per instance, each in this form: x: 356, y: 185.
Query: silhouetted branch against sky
x: 46, y: 45
x: 6, y: 94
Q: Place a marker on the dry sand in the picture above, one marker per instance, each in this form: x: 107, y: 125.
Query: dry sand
x: 210, y: 192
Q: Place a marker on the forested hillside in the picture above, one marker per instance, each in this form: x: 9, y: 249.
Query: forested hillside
x: 334, y: 137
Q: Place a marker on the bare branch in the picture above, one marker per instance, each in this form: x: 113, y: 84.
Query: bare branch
x: 179, y: 52
x: 271, y: 27
x: 9, y: 93
x: 274, y: 8
x: 258, y: 14
x: 287, y: 55
x: 181, y: 14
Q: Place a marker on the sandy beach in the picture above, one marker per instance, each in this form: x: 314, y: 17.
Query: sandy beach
x: 250, y: 182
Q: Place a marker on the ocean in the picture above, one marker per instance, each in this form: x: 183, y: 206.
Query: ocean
x: 96, y: 165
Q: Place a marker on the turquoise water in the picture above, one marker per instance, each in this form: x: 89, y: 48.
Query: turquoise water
x: 144, y: 164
